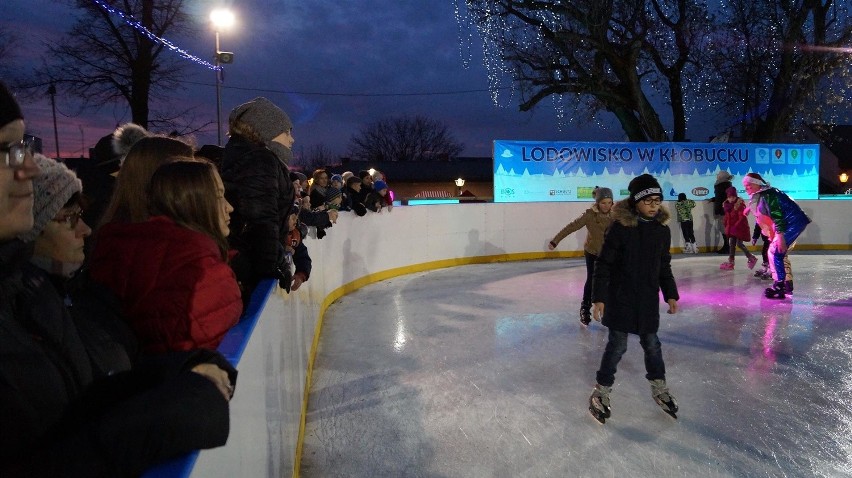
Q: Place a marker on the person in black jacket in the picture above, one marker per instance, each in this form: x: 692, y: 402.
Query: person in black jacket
x: 353, y: 197
x: 633, y: 266
x: 720, y: 195
x: 257, y: 184
x: 58, y: 416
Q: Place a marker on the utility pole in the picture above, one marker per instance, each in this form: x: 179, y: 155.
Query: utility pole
x: 52, y: 92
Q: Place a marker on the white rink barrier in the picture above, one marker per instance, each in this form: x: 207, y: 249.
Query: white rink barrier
x: 274, y: 345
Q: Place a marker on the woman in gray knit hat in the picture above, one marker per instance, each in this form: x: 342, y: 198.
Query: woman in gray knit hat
x: 257, y: 184
x: 596, y: 220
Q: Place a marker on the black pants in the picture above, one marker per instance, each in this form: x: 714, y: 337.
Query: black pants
x: 688, y: 232
x: 615, y: 348
x: 587, y: 287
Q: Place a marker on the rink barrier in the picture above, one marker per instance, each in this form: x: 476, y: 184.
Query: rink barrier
x: 274, y: 345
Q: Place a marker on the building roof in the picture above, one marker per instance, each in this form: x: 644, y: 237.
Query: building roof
x: 468, y: 168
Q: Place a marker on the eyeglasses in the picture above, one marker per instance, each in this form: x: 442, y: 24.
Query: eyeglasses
x: 652, y: 201
x: 17, y: 152
x: 71, y: 219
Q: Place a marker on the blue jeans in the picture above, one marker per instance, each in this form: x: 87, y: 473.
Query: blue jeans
x: 615, y: 348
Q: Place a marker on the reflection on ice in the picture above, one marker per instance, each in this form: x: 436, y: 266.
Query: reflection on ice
x: 490, y: 373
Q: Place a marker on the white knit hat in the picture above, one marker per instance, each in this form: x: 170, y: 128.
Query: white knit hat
x: 51, y: 191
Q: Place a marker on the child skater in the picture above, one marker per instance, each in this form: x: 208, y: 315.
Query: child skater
x: 763, y: 273
x: 596, y: 219
x: 736, y: 228
x: 684, y: 208
x: 782, y: 220
x: 633, y: 267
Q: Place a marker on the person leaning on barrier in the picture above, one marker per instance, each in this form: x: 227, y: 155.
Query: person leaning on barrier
x: 257, y: 183
x: 56, y: 418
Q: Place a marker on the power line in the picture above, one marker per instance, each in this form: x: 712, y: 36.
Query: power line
x: 320, y: 93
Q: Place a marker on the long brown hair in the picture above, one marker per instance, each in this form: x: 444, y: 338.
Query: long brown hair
x: 128, y: 202
x: 185, y: 191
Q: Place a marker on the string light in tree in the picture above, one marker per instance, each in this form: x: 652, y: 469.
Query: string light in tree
x: 129, y: 20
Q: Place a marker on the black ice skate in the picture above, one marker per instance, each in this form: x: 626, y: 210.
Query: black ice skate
x: 664, y: 399
x: 788, y: 287
x: 599, y: 403
x: 777, y: 291
x: 585, y: 316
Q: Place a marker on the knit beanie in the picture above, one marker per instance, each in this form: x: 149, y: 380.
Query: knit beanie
x: 379, y: 185
x: 51, y: 191
x: 723, y: 176
x: 264, y: 118
x: 331, y: 193
x: 336, y: 177
x: 731, y: 191
x: 346, y: 175
x: 299, y: 176
x: 9, y: 109
x: 643, y: 186
x: 602, y: 193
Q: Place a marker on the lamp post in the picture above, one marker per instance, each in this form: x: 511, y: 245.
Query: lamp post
x: 459, y: 184
x: 221, y: 19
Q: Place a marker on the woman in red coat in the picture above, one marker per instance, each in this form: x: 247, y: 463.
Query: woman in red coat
x: 171, y: 271
x: 736, y: 228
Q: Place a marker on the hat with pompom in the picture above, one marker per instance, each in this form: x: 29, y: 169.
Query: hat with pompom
x: 124, y: 137
x: 52, y: 189
x: 643, y: 186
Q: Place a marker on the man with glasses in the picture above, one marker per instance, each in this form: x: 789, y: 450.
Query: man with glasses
x: 633, y: 267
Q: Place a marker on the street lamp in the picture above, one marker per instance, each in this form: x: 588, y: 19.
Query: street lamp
x: 843, y: 177
x: 221, y: 19
x: 459, y: 184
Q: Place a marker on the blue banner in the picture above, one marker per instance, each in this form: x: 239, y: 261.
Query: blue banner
x: 542, y: 171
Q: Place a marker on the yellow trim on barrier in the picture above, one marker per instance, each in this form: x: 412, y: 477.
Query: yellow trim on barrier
x: 428, y: 266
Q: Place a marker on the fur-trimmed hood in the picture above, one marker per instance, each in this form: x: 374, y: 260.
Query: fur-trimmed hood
x: 623, y: 213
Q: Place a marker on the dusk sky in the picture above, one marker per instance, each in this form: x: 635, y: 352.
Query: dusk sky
x: 333, y: 67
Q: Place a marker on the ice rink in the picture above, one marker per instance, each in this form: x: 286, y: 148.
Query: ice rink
x: 485, y: 371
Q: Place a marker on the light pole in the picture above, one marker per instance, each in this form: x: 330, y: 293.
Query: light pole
x: 220, y: 19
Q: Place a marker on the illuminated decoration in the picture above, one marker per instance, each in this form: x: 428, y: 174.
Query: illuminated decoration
x: 544, y: 171
x: 843, y: 177
x: 128, y: 19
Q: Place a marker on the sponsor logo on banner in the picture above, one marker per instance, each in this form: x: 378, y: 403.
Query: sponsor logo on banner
x: 700, y: 191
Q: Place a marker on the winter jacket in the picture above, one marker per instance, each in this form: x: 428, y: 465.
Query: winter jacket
x: 57, y: 421
x: 684, y: 210
x: 176, y: 291
x: 353, y: 203
x: 736, y: 222
x: 720, y: 194
x: 258, y: 186
x: 595, y: 222
x: 633, y: 267
x: 786, y: 216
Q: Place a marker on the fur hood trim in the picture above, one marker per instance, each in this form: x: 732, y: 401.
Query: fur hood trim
x: 622, y: 213
x: 124, y: 137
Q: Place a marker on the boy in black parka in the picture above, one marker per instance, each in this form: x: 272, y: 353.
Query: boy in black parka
x: 634, y: 265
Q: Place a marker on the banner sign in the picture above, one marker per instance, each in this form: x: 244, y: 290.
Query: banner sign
x: 542, y: 171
